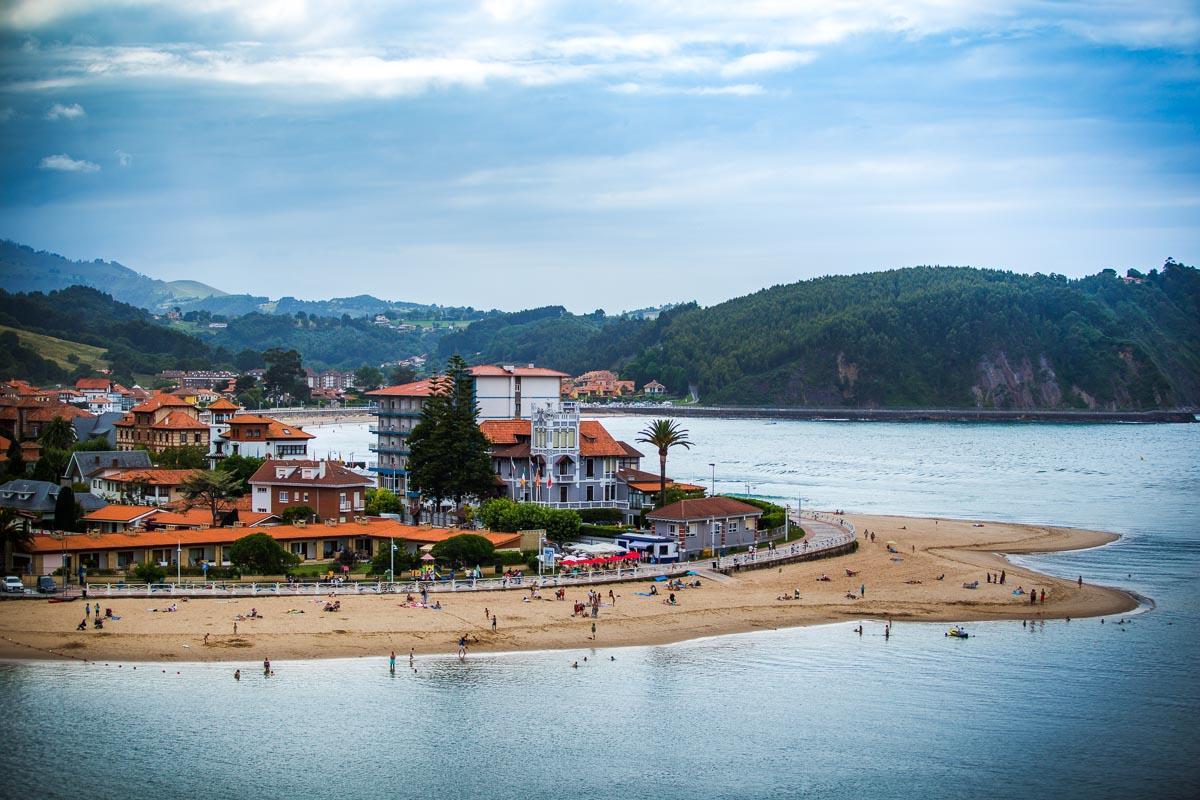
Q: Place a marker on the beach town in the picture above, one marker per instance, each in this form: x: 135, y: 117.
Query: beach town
x: 661, y: 561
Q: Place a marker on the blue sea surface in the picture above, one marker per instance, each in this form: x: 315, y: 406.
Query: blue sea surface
x: 1060, y: 709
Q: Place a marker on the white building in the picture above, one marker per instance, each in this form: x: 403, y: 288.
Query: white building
x: 510, y: 392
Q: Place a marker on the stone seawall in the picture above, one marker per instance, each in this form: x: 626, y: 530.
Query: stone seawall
x: 893, y: 415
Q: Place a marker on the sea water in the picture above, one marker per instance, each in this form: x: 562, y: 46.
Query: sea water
x: 1060, y: 709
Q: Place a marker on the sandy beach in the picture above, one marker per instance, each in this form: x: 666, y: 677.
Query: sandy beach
x: 297, y: 627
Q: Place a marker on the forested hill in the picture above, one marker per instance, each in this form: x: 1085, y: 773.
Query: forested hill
x: 919, y: 337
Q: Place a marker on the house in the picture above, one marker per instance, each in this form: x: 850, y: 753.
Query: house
x: 643, y: 487
x: 23, y: 418
x: 559, y: 460
x: 37, y: 499
x: 599, y: 383
x: 99, y: 394
x: 332, y: 490
x: 84, y: 463
x: 218, y: 412
x: 162, y: 422
x: 124, y: 550
x: 117, y: 518
x: 140, y: 485
x: 330, y: 379
x: 259, y: 437
x: 708, y: 523
x: 654, y: 387
x: 502, y: 393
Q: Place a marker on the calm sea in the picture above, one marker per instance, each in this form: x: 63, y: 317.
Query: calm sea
x: 1075, y: 709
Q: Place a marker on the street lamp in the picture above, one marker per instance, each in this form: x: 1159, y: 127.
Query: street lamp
x: 714, y: 478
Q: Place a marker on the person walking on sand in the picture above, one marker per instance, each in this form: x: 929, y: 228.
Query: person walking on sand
x: 1080, y: 581
x: 1043, y: 600
x: 486, y: 613
x: 1003, y: 575
x: 235, y: 629
x: 612, y: 598
x: 493, y: 622
x: 593, y: 636
x: 462, y: 647
x: 862, y: 590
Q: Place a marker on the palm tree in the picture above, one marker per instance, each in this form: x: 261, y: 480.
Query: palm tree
x: 58, y: 435
x: 15, y: 534
x: 664, y: 434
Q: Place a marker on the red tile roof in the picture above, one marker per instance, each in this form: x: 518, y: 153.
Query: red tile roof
x: 703, y: 508
x: 180, y: 421
x: 421, y: 388
x: 595, y: 440
x: 223, y: 405
x: 150, y: 477
x: 273, y: 429
x: 334, y: 474
x: 93, y: 383
x: 159, y: 401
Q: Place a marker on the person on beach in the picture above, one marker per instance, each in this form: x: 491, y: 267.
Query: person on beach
x: 462, y: 646
x: 1080, y: 581
x: 1043, y: 596
x: 235, y: 629
x: 593, y: 636
x: 862, y: 590
x: 82, y: 626
x: 493, y: 622
x: 237, y: 674
x: 412, y: 652
x: 612, y: 598
x: 266, y: 666
x: 1003, y: 575
x: 392, y: 662
x: 1033, y: 597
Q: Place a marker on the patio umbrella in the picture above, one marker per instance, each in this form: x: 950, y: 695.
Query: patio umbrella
x: 428, y: 557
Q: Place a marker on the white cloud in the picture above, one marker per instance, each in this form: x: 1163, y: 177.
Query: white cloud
x: 737, y: 89
x: 59, y: 111
x: 768, y: 61
x: 64, y: 163
x: 123, y: 158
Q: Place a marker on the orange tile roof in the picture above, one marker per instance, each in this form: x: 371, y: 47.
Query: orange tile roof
x: 421, y: 388
x: 119, y: 513
x: 194, y: 517
x: 159, y: 401
x: 252, y: 518
x: 374, y: 528
x: 504, y: 431
x: 150, y: 477
x: 93, y: 383
x: 595, y: 440
x: 274, y: 429
x: 223, y: 405
x: 179, y: 421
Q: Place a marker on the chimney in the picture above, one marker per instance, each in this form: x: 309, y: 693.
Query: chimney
x: 321, y: 471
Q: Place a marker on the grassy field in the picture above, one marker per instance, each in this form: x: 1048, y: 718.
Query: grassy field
x: 60, y: 350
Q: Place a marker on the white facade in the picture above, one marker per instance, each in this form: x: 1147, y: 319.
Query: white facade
x: 514, y: 395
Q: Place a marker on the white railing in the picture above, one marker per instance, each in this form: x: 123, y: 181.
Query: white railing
x: 841, y: 537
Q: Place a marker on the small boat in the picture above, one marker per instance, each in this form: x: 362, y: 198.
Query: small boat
x: 957, y: 633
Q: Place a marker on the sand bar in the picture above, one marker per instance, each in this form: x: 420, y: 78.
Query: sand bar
x: 907, y: 589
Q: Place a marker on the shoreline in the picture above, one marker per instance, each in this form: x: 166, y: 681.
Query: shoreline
x: 292, y: 628
x: 1158, y: 416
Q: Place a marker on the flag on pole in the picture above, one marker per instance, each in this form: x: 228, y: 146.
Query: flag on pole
x: 549, y: 481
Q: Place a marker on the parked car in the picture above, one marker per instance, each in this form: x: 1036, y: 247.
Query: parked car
x: 46, y: 585
x: 13, y: 584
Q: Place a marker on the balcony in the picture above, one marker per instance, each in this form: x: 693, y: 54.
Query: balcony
x: 588, y: 504
x: 391, y: 449
x: 386, y: 431
x: 398, y: 414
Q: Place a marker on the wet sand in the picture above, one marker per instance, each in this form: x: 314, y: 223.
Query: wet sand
x: 748, y: 600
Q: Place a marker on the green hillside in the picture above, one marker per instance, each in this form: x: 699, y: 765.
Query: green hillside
x: 919, y: 337
x: 66, y: 354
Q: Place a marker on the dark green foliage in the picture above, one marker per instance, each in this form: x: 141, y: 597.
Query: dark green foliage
x: 66, y: 511
x: 294, y: 513
x: 367, y: 378
x: 466, y: 549
x: 501, y: 514
x: 149, y: 572
x: 919, y: 337
x: 135, y: 341
x: 15, y: 536
x: 285, y: 378
x: 382, y: 560
x: 95, y: 443
x: 450, y: 456
x: 211, y: 489
x: 773, y: 515
x: 382, y: 501
x: 601, y: 515
x: 58, y: 434
x: 662, y: 435
x: 398, y: 376
x: 19, y: 361
x: 259, y: 554
x: 241, y: 467
x: 51, y: 465
x: 15, y: 466
x: 191, y: 456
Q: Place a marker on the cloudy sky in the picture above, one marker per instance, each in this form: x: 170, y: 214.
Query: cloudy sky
x: 513, y: 153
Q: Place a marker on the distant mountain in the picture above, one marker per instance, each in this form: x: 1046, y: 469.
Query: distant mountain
x: 23, y: 269
x: 920, y: 337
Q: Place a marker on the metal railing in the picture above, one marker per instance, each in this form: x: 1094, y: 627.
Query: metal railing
x: 843, y: 536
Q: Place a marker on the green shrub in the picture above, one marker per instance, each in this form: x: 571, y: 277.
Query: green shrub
x: 601, y: 515
x: 149, y: 572
x: 507, y: 558
x: 293, y: 513
x: 466, y: 549
x: 601, y: 530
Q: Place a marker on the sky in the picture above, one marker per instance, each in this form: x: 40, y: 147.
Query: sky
x: 616, y: 155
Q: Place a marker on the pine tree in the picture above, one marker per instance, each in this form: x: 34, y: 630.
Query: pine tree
x: 66, y: 512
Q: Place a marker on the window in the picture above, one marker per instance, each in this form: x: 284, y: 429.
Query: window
x: 306, y: 497
x: 591, y: 469
x: 562, y: 494
x: 733, y: 526
x: 283, y: 497
x: 590, y: 489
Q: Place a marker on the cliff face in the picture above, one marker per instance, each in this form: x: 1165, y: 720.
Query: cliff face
x: 1001, y: 384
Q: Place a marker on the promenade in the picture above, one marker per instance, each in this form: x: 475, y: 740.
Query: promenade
x: 826, y: 535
